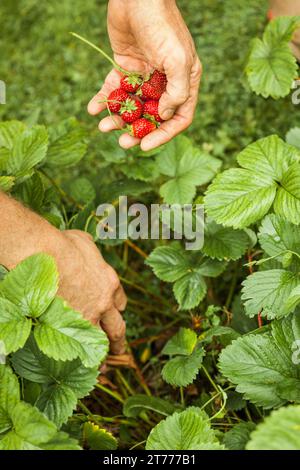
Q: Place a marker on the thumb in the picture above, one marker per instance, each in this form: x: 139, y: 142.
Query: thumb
x: 177, y: 92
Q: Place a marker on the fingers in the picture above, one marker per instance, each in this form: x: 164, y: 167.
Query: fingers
x: 169, y: 129
x: 115, y: 328
x: 112, y: 82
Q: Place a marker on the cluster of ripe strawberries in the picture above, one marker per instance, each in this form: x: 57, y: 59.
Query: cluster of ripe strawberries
x: 136, y: 101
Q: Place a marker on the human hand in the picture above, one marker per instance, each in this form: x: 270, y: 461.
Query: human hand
x: 147, y: 35
x: 91, y: 286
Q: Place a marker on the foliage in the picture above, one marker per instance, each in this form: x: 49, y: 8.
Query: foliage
x: 52, y: 346
x: 280, y: 431
x: 263, y: 366
x: 189, y: 430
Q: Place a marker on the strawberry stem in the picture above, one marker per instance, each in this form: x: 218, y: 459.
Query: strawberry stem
x: 116, y: 66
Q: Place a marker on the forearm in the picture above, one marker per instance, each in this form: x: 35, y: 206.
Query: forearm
x: 23, y: 233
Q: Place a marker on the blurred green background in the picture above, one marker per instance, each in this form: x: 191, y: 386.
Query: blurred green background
x: 50, y: 75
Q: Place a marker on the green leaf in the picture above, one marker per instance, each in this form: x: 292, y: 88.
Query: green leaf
x: 183, y: 342
x: 123, y: 187
x: 98, y: 439
x: 144, y: 169
x: 279, y: 431
x: 9, y: 396
x: 23, y: 427
x: 172, y: 263
x: 168, y: 263
x: 238, y: 436
x: 189, y: 290
x: 84, y: 219
x: 63, y: 334
x: 224, y: 243
x: 31, y: 192
x: 61, y: 441
x: 210, y: 267
x: 287, y: 200
x: 32, y: 285
x: 272, y: 67
x: 267, y: 291
x: 277, y: 235
x: 181, y: 371
x: 225, y: 333
x: 187, y: 167
x: 14, y: 326
x: 240, y: 197
x: 189, y: 430
x: 9, y: 131
x: 6, y: 183
x: 64, y: 382
x: 134, y: 405
x: 271, y: 157
x: 29, y: 148
x: 293, y: 300
x: 260, y: 365
x: 3, y: 272
x: 67, y: 144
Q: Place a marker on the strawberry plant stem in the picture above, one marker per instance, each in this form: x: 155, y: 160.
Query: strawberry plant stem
x: 182, y: 400
x: 231, y: 288
x: 144, y: 291
x: 124, y: 381
x: 210, y: 379
x: 220, y: 411
x: 137, y: 445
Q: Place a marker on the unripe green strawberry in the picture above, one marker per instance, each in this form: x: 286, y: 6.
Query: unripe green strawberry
x: 131, y: 109
x: 115, y: 100
x: 141, y: 127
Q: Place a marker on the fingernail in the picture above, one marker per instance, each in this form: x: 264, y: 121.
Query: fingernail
x: 167, y: 114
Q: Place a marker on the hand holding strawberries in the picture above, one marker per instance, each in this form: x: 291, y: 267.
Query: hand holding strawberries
x: 149, y: 36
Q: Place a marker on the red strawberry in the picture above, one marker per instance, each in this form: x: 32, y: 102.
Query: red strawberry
x: 115, y: 99
x: 151, y: 110
x: 142, y: 127
x: 131, y: 109
x: 149, y: 92
x: 159, y: 80
x: 130, y: 83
